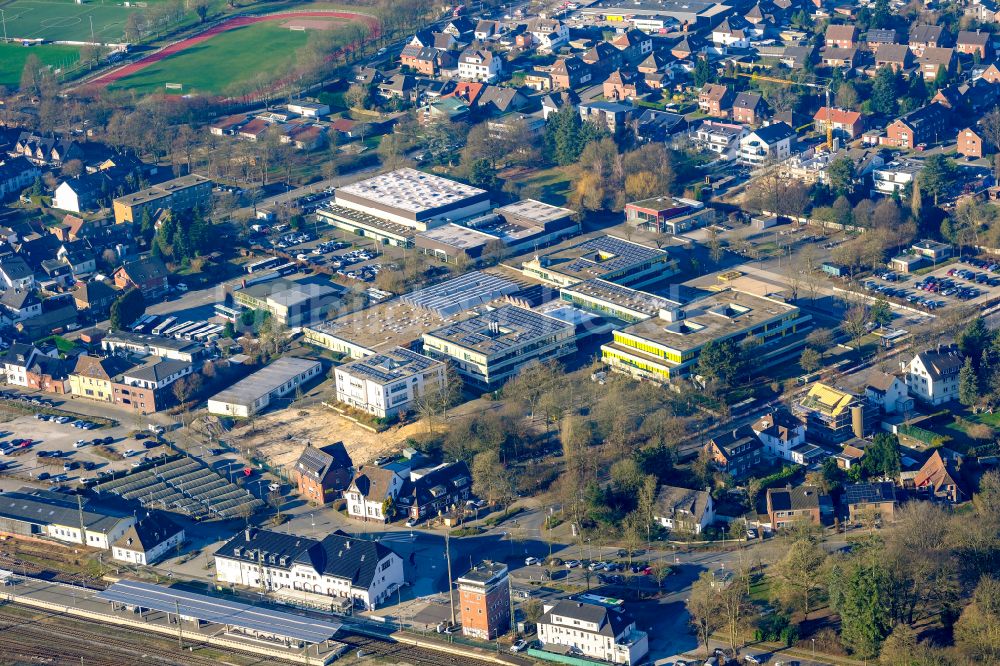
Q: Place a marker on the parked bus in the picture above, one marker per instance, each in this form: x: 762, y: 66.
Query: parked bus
x: 164, y: 325
x: 176, y: 327
x: 188, y: 326
x: 227, y: 313
x: 140, y: 322
x: 204, y: 335
x: 263, y: 264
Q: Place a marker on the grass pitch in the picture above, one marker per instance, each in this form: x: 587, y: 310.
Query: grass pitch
x: 220, y: 64
x: 12, y: 57
x: 64, y: 20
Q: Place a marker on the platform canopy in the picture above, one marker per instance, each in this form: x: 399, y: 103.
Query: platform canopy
x: 220, y: 611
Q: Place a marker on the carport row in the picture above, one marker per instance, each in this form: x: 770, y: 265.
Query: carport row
x: 240, y: 620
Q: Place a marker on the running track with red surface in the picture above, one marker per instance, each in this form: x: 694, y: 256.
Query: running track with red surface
x: 230, y: 24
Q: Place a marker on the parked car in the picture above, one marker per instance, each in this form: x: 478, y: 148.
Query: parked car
x: 529, y: 561
x: 519, y: 645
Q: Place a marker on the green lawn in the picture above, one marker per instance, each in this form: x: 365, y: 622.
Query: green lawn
x: 553, y: 184
x: 64, y: 20
x: 222, y: 63
x: 12, y: 57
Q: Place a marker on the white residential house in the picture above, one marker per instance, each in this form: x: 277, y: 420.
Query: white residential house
x: 16, y: 274
x: 389, y: 383
x: 16, y: 361
x: 780, y: 433
x: 932, y: 376
x: 16, y: 174
x: 370, y: 488
x: 684, y: 510
x: 548, y: 34
x: 148, y: 541
x: 720, y: 138
x: 594, y: 630
x: 894, y: 177
x: 889, y: 392
x: 479, y: 65
x: 733, y: 32
x: 766, y: 144
x: 339, y: 566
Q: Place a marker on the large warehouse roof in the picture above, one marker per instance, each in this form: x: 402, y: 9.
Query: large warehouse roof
x: 220, y: 611
x: 411, y: 190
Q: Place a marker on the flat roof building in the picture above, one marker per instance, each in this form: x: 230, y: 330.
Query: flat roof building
x: 178, y: 194
x: 389, y: 383
x: 461, y: 293
x: 673, y: 215
x: 606, y: 257
x: 145, y: 344
x: 614, y: 300
x: 640, y: 13
x: 291, y: 303
x: 667, y: 347
x: 490, y: 348
x: 365, y: 224
x: 254, y: 393
x: 413, y: 198
x: 392, y: 323
x: 453, y: 243
x: 484, y: 599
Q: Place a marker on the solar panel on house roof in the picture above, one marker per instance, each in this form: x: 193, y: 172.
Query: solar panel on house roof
x: 220, y: 611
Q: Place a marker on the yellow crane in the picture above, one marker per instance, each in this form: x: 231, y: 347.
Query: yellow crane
x: 789, y: 82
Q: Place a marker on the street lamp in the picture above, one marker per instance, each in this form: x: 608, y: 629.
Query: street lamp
x: 814, y: 649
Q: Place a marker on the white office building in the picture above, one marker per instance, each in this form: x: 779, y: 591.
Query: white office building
x: 389, y: 383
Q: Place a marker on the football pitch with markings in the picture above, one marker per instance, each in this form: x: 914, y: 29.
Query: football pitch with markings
x: 66, y: 21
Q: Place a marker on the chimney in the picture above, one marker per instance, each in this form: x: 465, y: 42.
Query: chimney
x: 249, y: 533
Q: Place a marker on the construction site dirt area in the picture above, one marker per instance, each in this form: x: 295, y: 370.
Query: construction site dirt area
x: 280, y: 436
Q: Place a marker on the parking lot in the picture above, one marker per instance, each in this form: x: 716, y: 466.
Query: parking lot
x: 59, y: 454
x: 345, y: 258
x: 958, y: 282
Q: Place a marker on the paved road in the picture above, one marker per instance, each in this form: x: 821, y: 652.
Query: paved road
x: 298, y: 192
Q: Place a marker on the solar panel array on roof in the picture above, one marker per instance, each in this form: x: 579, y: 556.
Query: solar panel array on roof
x: 462, y: 293
x: 864, y: 493
x: 390, y: 366
x: 220, y: 611
x: 501, y: 329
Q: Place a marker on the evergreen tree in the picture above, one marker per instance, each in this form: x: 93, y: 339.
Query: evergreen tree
x: 941, y: 78
x: 703, y: 72
x: 862, y: 595
x: 126, y: 309
x: 883, y: 95
x: 916, y: 201
x: 566, y: 135
x: 968, y: 384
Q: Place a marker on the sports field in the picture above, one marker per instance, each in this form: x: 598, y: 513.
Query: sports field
x: 217, y: 65
x: 64, y: 20
x: 12, y: 57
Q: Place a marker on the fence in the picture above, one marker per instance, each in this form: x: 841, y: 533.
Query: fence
x: 919, y: 434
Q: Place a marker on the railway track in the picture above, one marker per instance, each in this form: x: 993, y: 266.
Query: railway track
x: 400, y: 653
x: 17, y: 565
x: 43, y: 638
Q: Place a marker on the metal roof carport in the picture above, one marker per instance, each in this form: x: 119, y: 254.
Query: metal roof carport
x: 220, y: 611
